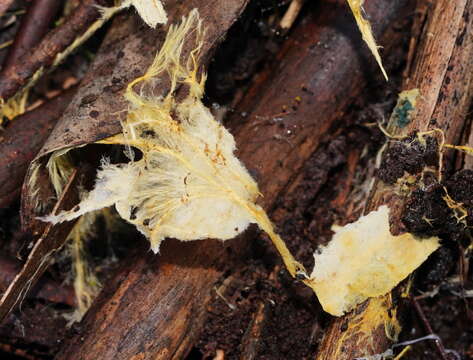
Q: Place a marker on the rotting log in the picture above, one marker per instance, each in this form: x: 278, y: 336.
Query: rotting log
x: 21, y: 141
x: 155, y: 305
x: 441, y: 70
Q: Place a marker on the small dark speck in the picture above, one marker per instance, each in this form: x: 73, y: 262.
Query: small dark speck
x: 94, y: 114
x: 88, y: 99
x: 113, y: 88
x: 133, y: 212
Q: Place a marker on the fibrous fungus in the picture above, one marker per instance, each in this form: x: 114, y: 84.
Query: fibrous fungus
x: 188, y: 184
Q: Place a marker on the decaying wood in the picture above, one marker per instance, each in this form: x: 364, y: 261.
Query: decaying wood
x: 49, y: 290
x: 25, y: 71
x: 53, y: 237
x: 50, y: 242
x: 34, y: 25
x: 291, y: 14
x: 441, y: 70
x: 155, y: 306
x: 337, y: 150
x: 22, y: 139
x: 4, y: 5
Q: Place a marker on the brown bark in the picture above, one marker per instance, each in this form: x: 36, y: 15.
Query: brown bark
x: 22, y: 140
x: 19, y: 74
x: 4, y: 5
x: 155, y: 306
x: 34, y: 25
x: 441, y: 69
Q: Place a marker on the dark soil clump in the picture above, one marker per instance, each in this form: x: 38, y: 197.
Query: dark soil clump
x: 409, y: 155
x: 428, y: 213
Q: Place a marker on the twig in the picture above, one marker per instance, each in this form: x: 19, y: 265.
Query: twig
x: 54, y: 47
x: 438, y: 344
x: 291, y: 14
x: 51, y: 241
x: 34, y: 26
x: 252, y: 336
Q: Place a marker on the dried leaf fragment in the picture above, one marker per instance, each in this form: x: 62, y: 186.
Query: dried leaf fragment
x: 363, y: 260
x: 356, y: 7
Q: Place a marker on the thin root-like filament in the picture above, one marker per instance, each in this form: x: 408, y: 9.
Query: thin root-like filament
x: 295, y: 268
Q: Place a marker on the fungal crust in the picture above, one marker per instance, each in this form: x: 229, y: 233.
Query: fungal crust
x: 364, y: 260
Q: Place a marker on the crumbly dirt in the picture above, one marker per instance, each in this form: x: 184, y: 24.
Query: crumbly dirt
x: 409, y: 155
x: 428, y: 213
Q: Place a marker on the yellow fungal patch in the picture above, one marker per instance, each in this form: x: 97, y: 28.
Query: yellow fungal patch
x: 363, y: 260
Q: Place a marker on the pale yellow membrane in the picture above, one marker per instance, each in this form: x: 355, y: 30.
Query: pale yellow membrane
x: 363, y: 260
x: 188, y: 184
x: 356, y: 7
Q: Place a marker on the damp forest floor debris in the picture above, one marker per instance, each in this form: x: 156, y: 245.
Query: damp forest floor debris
x: 256, y: 309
